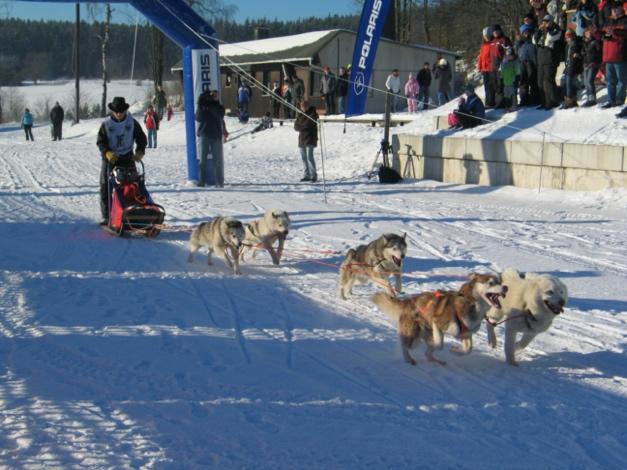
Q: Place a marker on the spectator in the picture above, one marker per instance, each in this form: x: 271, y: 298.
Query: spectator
x: 117, y: 136
x: 393, y: 86
x: 424, y: 82
x: 572, y: 69
x: 169, y: 111
x: 212, y: 132
x: 484, y: 66
x: 306, y: 124
x: 615, y: 56
x: 342, y: 89
x: 151, y: 121
x: 530, y: 20
x: 56, y: 119
x: 526, y: 51
x: 327, y: 90
x: 585, y: 16
x: 510, y: 72
x: 298, y: 89
x: 27, y: 124
x: 160, y: 101
x: 538, y: 9
x: 623, y: 113
x: 498, y: 46
x: 276, y: 100
x: 265, y: 123
x: 546, y: 39
x: 443, y: 76
x: 470, y: 111
x: 243, y: 98
x: 591, y: 64
x: 288, y: 98
x: 411, y: 92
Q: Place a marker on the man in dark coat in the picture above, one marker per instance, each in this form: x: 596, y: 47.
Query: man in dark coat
x: 212, y: 132
x: 548, y: 39
x: 117, y: 136
x: 423, y: 77
x: 327, y: 90
x: 342, y: 89
x: 56, y: 119
x: 306, y: 124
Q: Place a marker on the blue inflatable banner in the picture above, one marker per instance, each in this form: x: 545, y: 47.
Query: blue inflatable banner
x: 370, y: 27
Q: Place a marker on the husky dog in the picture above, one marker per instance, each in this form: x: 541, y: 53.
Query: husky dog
x: 273, y: 226
x: 431, y: 314
x: 224, y: 235
x: 533, y: 302
x: 374, y: 262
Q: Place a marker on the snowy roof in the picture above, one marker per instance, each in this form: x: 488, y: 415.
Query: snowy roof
x: 297, y: 47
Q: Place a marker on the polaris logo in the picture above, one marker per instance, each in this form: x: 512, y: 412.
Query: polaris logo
x: 366, y: 47
x: 358, y: 84
x: 206, y: 72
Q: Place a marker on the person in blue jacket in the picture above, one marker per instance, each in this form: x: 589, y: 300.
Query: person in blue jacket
x: 471, y: 111
x: 27, y: 124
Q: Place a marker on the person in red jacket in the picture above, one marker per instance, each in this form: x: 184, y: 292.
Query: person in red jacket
x: 615, y: 56
x: 484, y: 65
x: 151, y: 121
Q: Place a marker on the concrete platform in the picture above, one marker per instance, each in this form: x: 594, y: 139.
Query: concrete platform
x: 493, y: 162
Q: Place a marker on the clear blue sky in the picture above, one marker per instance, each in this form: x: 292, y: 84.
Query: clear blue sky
x: 283, y: 10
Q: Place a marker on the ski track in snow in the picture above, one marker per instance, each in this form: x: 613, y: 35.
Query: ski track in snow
x: 118, y: 353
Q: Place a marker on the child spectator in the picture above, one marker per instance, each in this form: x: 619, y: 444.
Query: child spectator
x: 498, y: 46
x: 265, y: 123
x: 169, y: 111
x: 470, y: 111
x: 510, y: 74
x: 411, y: 92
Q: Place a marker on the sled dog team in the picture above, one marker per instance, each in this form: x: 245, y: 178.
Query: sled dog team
x: 525, y: 303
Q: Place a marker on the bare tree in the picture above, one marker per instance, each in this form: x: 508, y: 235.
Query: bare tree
x: 94, y: 11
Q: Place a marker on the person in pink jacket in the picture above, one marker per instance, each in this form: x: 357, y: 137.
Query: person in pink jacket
x: 411, y: 92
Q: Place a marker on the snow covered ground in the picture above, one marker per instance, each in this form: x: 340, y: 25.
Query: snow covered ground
x: 117, y: 353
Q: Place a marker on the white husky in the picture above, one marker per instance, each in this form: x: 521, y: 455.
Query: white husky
x: 532, y: 303
x: 263, y: 233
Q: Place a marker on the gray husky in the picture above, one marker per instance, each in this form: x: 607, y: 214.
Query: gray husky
x: 263, y: 233
x: 224, y: 235
x: 375, y: 262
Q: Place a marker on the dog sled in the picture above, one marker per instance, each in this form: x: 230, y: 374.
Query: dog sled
x: 131, y: 209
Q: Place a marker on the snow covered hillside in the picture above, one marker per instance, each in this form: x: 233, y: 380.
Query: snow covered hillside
x: 117, y: 353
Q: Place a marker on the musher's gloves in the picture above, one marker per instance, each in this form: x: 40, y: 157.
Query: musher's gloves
x: 110, y: 156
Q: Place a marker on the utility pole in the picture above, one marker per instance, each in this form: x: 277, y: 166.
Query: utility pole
x: 77, y: 37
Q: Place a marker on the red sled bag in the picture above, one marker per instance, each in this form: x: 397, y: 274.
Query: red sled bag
x: 453, y: 120
x: 131, y: 209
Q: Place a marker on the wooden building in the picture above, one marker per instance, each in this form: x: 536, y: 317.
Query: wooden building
x: 274, y: 59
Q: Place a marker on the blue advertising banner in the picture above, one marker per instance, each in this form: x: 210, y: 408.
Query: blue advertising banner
x: 370, y: 28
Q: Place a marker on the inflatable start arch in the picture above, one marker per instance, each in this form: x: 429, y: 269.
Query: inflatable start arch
x: 201, y: 64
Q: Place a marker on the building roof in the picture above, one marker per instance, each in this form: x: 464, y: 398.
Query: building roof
x: 294, y: 48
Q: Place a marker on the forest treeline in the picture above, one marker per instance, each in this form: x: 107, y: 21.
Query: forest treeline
x: 44, y: 50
